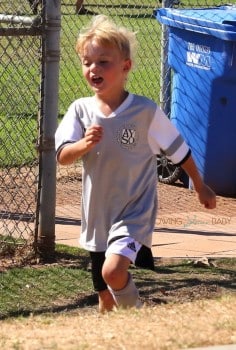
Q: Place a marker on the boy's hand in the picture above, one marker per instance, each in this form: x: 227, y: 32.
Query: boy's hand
x: 207, y: 197
x: 75, y: 150
x: 92, y: 136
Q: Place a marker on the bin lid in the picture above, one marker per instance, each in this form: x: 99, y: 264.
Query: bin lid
x: 216, y: 21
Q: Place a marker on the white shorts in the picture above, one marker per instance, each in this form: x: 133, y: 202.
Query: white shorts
x: 125, y: 246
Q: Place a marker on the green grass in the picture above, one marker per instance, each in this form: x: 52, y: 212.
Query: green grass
x: 30, y: 290
x: 66, y: 284
x: 44, y: 288
x: 18, y: 136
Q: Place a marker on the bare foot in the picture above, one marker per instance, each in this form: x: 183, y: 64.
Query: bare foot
x: 106, y: 301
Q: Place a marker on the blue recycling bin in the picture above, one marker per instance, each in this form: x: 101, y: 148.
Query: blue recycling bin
x: 202, y: 55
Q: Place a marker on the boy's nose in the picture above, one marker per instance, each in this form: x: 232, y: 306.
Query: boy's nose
x: 94, y: 67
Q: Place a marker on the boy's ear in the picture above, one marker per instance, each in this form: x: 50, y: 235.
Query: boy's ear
x: 127, y: 65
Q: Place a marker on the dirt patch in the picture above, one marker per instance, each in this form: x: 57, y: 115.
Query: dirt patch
x: 172, y: 198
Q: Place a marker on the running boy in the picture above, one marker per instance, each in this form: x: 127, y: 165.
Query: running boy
x: 118, y: 134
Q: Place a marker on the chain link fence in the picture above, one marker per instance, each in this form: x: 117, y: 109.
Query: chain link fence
x: 20, y: 71
x: 25, y: 139
x: 20, y: 108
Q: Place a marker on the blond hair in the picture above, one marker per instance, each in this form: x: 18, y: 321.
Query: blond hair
x: 107, y: 32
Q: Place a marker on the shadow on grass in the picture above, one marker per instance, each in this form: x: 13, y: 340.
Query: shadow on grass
x: 183, y: 282
x: 184, y: 291
x: 83, y: 301
x: 175, y: 283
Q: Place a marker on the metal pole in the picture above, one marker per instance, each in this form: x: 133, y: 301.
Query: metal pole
x: 165, y: 92
x: 28, y: 25
x: 50, y: 82
x: 11, y: 19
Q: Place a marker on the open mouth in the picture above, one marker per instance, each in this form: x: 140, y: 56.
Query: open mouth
x: 97, y: 80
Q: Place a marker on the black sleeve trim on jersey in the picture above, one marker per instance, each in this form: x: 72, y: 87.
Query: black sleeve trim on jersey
x: 63, y: 145
x: 174, y: 146
x: 184, y: 159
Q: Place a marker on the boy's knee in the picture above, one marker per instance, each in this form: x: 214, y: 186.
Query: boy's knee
x: 114, y: 275
x: 110, y: 274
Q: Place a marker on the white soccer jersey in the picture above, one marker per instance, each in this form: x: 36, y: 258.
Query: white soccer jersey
x: 119, y: 174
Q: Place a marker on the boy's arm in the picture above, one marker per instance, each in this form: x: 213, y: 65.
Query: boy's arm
x: 206, y: 196
x: 72, y: 151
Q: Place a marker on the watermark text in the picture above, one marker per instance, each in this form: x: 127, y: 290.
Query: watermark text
x: 192, y: 220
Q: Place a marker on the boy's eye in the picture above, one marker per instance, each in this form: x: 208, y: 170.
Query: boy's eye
x: 100, y: 62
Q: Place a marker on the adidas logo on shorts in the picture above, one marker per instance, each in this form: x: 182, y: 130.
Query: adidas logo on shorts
x: 132, y: 246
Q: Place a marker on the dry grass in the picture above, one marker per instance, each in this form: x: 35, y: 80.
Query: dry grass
x: 164, y: 327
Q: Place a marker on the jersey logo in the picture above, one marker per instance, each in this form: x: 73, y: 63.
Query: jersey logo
x: 132, y: 246
x: 127, y: 136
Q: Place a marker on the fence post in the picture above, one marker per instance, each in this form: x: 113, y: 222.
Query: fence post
x: 49, y: 105
x: 165, y: 91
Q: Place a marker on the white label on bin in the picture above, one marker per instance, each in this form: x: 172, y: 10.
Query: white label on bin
x: 198, y: 56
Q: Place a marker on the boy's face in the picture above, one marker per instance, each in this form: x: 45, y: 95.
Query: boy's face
x: 104, y: 68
